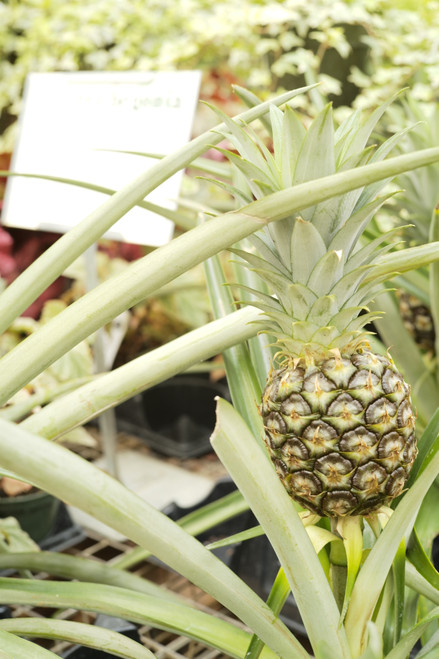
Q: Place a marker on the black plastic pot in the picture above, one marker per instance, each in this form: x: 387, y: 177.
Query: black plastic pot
x: 35, y: 511
x: 176, y: 417
x: 225, y: 529
x: 115, y: 624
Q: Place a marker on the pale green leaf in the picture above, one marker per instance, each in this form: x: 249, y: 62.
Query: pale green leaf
x: 267, y: 249
x: 272, y: 264
x: 13, y: 646
x: 349, y: 284
x: 408, y: 641
x: 316, y: 156
x: 301, y: 300
x: 13, y: 538
x: 350, y: 529
x: 249, y: 468
x: 324, y: 309
x: 241, y: 377
x: 92, y: 636
x: 374, y: 648
x: 347, y: 236
x: 293, y: 135
x: 325, y: 273
x: 80, y: 568
x: 279, y: 147
x: 307, y: 248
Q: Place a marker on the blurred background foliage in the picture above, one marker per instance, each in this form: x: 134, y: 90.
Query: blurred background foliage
x: 360, y: 50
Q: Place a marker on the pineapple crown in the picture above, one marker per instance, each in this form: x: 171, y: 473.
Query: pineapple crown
x: 315, y: 264
x: 420, y: 193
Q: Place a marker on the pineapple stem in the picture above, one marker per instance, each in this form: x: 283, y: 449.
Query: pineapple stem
x: 337, y: 557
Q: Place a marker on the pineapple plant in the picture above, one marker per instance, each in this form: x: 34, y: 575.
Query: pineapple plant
x: 415, y: 210
x: 339, y: 424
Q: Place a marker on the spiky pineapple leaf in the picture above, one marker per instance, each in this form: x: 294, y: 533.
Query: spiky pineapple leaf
x: 325, y: 335
x: 292, y: 137
x: 251, y: 147
x: 379, y: 154
x: 301, y: 299
x: 280, y: 233
x: 358, y: 323
x: 345, y: 288
x: 316, y: 155
x: 326, y: 272
x: 307, y: 248
x: 234, y: 191
x: 277, y: 282
x: 344, y: 317
x: 263, y: 243
x: 345, y: 130
x: 371, y: 252
x: 332, y: 214
x: 277, y: 125
x: 251, y: 171
x: 347, y: 236
x: 274, y: 264
x: 251, y: 100
x: 239, y: 137
x: 305, y: 330
x: 269, y: 301
x: 362, y: 135
x: 324, y: 309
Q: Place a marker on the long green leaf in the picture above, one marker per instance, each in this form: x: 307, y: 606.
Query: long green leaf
x: 13, y: 647
x: 420, y: 585
x: 129, y: 605
x: 250, y: 469
x: 402, y: 649
x: 142, y: 277
x: 241, y: 377
x: 196, y: 522
x: 418, y: 557
x: 398, y: 570
x: 404, y: 260
x: 182, y: 220
x: 91, y: 636
x: 276, y: 599
x: 143, y: 372
x: 82, y: 569
x: 84, y: 486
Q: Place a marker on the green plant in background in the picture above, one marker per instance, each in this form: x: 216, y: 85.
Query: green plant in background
x: 349, y: 580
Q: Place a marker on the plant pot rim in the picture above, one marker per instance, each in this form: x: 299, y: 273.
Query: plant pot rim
x: 27, y: 496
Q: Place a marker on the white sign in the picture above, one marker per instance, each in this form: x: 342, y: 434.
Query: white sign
x: 68, y: 124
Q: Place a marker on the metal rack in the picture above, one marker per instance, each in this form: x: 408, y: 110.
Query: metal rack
x: 163, y: 644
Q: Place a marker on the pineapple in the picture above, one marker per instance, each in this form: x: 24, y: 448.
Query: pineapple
x: 417, y: 320
x: 339, y: 424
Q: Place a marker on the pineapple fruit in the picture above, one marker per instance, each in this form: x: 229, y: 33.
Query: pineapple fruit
x: 417, y: 320
x: 339, y: 424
